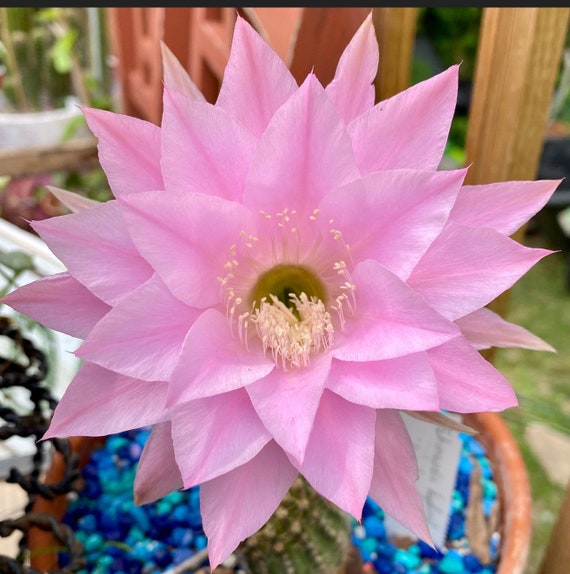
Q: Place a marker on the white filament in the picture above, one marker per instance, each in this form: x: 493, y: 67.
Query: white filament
x: 292, y: 338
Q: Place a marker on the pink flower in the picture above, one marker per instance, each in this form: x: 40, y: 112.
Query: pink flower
x: 278, y: 276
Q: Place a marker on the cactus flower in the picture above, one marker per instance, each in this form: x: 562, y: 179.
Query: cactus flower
x: 277, y: 277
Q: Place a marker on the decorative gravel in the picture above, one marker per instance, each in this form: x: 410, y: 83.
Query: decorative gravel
x: 121, y: 538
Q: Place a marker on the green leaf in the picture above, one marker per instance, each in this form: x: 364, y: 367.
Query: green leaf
x: 62, y: 52
x: 17, y: 261
x: 72, y: 127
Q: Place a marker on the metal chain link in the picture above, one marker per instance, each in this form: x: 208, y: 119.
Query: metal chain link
x: 27, y: 369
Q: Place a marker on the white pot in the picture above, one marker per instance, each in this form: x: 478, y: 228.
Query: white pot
x: 22, y: 130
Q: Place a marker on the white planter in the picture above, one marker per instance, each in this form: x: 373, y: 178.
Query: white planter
x: 22, y: 130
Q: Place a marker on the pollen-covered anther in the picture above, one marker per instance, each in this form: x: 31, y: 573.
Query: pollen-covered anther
x: 293, y: 334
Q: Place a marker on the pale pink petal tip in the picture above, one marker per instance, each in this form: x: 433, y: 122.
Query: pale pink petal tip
x: 176, y: 77
x: 352, y: 89
x: 237, y: 504
x: 485, y: 329
x: 157, y: 472
x: 73, y: 201
x: 393, y: 484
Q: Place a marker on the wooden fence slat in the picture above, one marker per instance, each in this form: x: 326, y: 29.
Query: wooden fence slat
x: 75, y: 154
x: 321, y: 38
x: 556, y: 557
x: 396, y: 33
x: 517, y: 64
x: 518, y: 59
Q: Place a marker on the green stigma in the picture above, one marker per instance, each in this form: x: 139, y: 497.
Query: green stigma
x: 285, y: 280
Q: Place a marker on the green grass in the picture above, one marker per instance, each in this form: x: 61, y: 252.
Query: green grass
x: 541, y: 303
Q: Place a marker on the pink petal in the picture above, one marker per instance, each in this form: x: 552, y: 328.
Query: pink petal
x: 176, y: 78
x: 204, y: 149
x: 187, y: 239
x: 352, y: 89
x: 142, y: 336
x: 484, y: 328
x: 215, y: 435
x: 256, y: 81
x: 129, y: 151
x: 390, y: 320
x: 340, y: 454
x: 59, y: 302
x: 408, y: 130
x: 467, y: 382
x: 99, y: 402
x: 467, y: 267
x: 393, y: 216
x: 400, y: 383
x: 304, y: 154
x: 157, y: 472
x: 395, y: 474
x: 287, y: 403
x: 97, y: 250
x: 503, y: 206
x: 73, y: 201
x: 239, y: 503
x: 213, y: 362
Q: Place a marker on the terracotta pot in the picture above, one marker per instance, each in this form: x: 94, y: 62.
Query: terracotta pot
x: 509, y: 473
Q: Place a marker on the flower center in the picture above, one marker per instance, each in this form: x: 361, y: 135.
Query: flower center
x: 289, y: 313
x: 288, y: 288
x: 284, y: 281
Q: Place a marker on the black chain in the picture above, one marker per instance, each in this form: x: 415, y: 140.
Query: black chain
x: 27, y: 369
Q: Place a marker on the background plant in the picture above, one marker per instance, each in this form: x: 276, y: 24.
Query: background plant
x: 46, y: 55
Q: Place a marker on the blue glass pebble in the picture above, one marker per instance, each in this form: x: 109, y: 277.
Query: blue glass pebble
x: 180, y: 555
x: 383, y: 566
x: 161, y: 556
x: 457, y: 501
x: 201, y: 542
x: 414, y: 549
x: 488, y: 504
x: 176, y: 497
x: 475, y: 447
x: 489, y: 489
x: 426, y: 551
x: 456, y: 528
x: 451, y: 563
x: 385, y: 549
x: 368, y: 549
x: 494, y: 545
x: 374, y: 526
x: 486, y: 469
x: 465, y: 464
x: 472, y: 563
x: 93, y: 542
x: 87, y: 523
x: 406, y: 558
x: 181, y: 537
x: 163, y: 507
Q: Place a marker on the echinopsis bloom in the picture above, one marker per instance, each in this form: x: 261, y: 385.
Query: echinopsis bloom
x: 279, y: 275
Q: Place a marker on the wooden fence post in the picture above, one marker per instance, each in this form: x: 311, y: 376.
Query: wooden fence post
x: 517, y: 64
x: 396, y: 33
x: 556, y: 557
